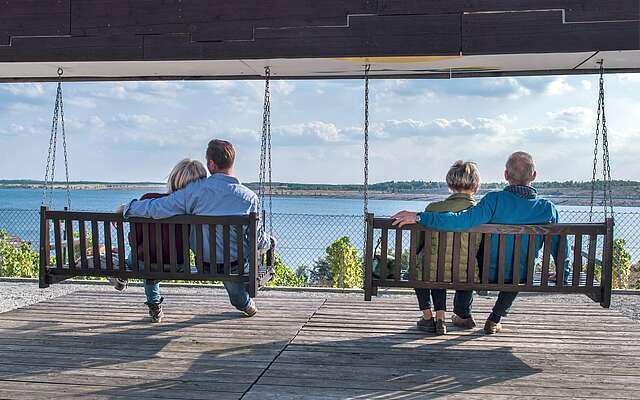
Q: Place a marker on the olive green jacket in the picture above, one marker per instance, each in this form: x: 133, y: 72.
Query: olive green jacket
x: 454, y: 203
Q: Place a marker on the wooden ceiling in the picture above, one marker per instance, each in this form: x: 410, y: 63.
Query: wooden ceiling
x: 236, y: 39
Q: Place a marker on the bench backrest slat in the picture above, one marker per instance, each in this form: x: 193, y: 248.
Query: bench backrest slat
x: 502, y: 251
x: 591, y: 260
x: 158, y: 245
x: 70, y: 243
x: 546, y: 259
x: 213, y: 244
x: 134, y: 251
x: 146, y: 248
x: 58, y: 244
x: 397, y: 265
x: 531, y: 258
x: 107, y: 245
x: 186, y: 254
x: 471, y: 257
x: 413, y: 246
x: 562, y: 251
x: 515, y: 265
x: 200, y: 250
x: 226, y: 239
x: 486, y: 257
x: 173, y: 248
x: 121, y: 248
x: 384, y: 254
x: 577, y: 261
x: 240, y: 246
x: 82, y: 231
x: 455, y: 257
x: 442, y: 254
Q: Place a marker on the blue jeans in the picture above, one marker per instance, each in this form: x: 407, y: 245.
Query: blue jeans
x: 461, y: 301
x: 237, y: 291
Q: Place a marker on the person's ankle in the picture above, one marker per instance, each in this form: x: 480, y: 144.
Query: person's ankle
x: 427, y: 315
x: 494, y: 317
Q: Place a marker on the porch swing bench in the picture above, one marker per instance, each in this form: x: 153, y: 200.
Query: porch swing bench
x: 84, y: 256
x: 514, y: 241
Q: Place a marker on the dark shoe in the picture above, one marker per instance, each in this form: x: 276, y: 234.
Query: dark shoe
x: 441, y: 327
x: 491, y: 327
x: 118, y: 283
x: 465, y: 323
x: 155, y: 311
x: 427, y: 325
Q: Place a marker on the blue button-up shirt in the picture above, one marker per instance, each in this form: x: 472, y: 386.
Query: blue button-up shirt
x: 217, y: 195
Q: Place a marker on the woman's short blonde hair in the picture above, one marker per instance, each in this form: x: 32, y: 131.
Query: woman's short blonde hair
x: 185, y: 172
x: 463, y: 176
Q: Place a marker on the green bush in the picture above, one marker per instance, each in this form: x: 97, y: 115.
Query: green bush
x: 342, y: 254
x: 321, y: 274
x: 621, y: 265
x: 20, y: 262
x: 284, y: 276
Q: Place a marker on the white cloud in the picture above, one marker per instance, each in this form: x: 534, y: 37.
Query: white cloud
x: 586, y: 85
x: 559, y: 86
x: 29, y: 90
x: 310, y: 131
x: 572, y: 116
x: 134, y: 120
x: 82, y: 102
x: 634, y: 78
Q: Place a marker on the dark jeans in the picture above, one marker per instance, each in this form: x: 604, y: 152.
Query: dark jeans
x: 501, y: 307
x: 461, y: 301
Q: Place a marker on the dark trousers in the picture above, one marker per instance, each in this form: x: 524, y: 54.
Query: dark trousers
x: 501, y: 307
x: 461, y: 301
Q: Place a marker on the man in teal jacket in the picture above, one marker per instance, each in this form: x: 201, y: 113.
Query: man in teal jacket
x: 516, y: 204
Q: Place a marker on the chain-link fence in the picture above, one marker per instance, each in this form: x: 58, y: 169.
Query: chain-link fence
x: 303, y: 239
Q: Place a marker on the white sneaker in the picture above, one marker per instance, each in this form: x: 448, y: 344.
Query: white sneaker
x: 118, y: 283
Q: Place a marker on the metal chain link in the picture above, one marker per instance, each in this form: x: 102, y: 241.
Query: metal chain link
x: 265, y: 176
x: 601, y: 127
x: 366, y: 140
x: 64, y: 141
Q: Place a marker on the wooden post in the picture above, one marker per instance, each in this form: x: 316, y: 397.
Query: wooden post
x: 44, y: 249
x: 253, y: 255
x: 607, y: 265
x: 368, y: 260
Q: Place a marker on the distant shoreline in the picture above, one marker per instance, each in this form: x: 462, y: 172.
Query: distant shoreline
x: 560, y: 196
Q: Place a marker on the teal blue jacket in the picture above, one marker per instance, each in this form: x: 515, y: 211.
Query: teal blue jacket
x: 503, y: 208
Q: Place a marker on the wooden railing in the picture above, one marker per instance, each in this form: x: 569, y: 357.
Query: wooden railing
x: 95, y: 251
x: 513, y: 242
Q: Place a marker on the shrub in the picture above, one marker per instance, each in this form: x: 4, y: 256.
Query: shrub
x: 321, y: 274
x: 284, y: 276
x: 20, y: 262
x: 343, y: 256
x: 621, y: 265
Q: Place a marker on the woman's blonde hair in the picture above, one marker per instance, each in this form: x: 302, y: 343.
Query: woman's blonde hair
x: 463, y: 176
x: 185, y: 172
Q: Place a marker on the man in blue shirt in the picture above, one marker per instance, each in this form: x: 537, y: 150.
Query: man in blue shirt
x: 218, y: 195
x: 516, y: 204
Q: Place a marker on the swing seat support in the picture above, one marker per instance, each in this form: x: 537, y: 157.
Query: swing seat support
x: 93, y: 244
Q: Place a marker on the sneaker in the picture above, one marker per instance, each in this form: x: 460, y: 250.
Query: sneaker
x: 118, y: 283
x: 491, y: 327
x: 440, y: 327
x: 465, y: 323
x: 251, y: 310
x: 155, y: 311
x: 426, y: 325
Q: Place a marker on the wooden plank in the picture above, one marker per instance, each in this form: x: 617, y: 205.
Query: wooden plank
x: 253, y: 253
x: 562, y: 251
x: 397, y: 265
x: 186, y: 254
x: 517, y: 250
x: 531, y: 259
x: 442, y: 256
x: 145, y: 247
x: 70, y: 243
x: 455, y: 258
x: 173, y: 248
x: 501, y: 258
x: 121, y: 248
x: 57, y: 237
x: 82, y: 232
x: 95, y: 242
x: 471, y: 257
x: 240, y: 246
x: 106, y: 226
x: 134, y: 246
x: 577, y: 261
x: 158, y: 241
x: 486, y: 258
x: 426, y: 256
x: 213, y: 244
x: 226, y: 241
x: 413, y: 244
x: 546, y: 257
x: 200, y: 250
x: 384, y: 242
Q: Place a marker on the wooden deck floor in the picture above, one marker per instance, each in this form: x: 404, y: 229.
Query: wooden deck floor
x: 99, y: 345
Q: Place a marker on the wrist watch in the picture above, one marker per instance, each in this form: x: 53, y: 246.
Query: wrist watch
x: 417, y: 218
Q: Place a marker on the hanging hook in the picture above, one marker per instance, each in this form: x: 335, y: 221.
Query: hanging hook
x: 60, y: 72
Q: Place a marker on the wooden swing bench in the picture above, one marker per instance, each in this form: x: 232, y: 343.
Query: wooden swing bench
x: 85, y: 256
x: 581, y: 280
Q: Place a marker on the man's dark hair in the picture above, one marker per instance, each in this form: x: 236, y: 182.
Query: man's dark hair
x: 221, y: 153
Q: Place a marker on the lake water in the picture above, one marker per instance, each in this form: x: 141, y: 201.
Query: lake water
x: 305, y: 226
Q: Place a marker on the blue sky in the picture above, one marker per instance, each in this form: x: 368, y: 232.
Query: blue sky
x: 136, y: 131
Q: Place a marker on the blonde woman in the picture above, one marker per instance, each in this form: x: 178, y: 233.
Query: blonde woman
x: 184, y: 173
x: 463, y: 180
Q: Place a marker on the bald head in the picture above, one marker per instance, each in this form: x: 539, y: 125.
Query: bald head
x: 520, y: 169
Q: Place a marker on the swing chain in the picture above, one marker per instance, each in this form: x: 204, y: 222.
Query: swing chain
x: 366, y: 140
x: 57, y: 124
x: 601, y: 127
x: 265, y: 176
